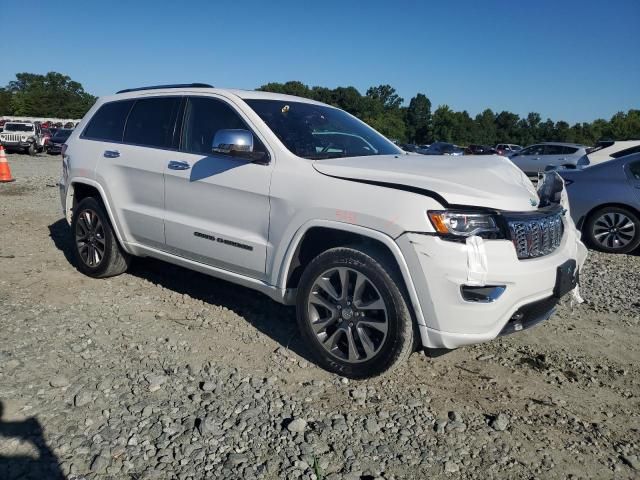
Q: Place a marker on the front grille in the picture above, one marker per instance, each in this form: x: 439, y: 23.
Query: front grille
x: 537, y: 235
x: 11, y: 137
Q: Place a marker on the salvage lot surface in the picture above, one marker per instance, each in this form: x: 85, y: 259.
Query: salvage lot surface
x: 166, y: 373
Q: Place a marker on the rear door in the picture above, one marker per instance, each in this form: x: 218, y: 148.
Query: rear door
x: 216, y: 206
x: 132, y: 168
x: 530, y: 159
x: 633, y: 172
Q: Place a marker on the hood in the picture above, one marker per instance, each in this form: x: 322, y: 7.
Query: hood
x: 487, y: 181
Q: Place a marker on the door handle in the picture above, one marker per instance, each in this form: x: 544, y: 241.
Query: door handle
x: 178, y: 165
x: 111, y: 154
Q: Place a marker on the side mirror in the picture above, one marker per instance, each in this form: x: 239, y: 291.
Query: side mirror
x: 236, y: 143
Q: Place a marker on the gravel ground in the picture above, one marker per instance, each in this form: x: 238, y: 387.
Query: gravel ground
x: 164, y: 373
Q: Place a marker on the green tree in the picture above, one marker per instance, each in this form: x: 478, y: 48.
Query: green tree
x: 5, y: 102
x: 443, y: 124
x: 50, y: 95
x: 386, y: 95
x: 419, y: 119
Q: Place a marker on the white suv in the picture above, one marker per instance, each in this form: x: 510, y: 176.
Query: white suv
x: 380, y: 251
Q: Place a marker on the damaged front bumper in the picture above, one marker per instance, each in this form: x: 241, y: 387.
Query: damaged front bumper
x: 520, y: 293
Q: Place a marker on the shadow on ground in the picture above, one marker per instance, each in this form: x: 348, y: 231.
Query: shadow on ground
x: 270, y: 318
x: 44, y: 466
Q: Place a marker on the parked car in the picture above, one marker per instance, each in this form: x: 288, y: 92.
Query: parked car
x: 605, y: 151
x: 22, y: 136
x: 46, y: 136
x: 474, y: 149
x: 409, y: 147
x: 441, y: 148
x: 605, y: 203
x: 543, y: 156
x: 54, y: 147
x: 507, y: 149
x: 373, y: 245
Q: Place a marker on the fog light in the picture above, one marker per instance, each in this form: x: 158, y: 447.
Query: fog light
x: 484, y: 294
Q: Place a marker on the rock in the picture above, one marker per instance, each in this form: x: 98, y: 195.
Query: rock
x: 297, y: 425
x: 235, y: 459
x: 59, y: 381
x: 210, y: 426
x: 632, y: 460
x: 451, y: 467
x: 100, y: 464
x: 82, y: 398
x: 500, y: 422
x: 155, y: 382
x: 208, y: 386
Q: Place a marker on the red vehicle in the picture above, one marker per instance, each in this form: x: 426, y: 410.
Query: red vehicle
x: 46, y: 134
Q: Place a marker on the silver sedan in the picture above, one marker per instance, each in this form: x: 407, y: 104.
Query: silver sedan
x: 605, y: 203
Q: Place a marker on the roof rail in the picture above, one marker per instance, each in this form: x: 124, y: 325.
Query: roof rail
x: 175, y: 85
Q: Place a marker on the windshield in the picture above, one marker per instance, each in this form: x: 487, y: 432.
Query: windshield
x: 61, y: 135
x: 18, y: 127
x: 318, y: 132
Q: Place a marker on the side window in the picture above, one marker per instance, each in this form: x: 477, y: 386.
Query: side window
x: 108, y: 122
x: 634, y: 168
x: 627, y: 151
x: 152, y: 121
x: 569, y: 150
x: 553, y: 150
x: 533, y: 150
x: 203, y: 117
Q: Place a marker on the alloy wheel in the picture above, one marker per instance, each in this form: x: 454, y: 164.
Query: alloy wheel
x: 90, y: 239
x: 347, y: 314
x: 614, y: 230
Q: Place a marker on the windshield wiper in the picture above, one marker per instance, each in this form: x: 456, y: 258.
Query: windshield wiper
x: 325, y: 156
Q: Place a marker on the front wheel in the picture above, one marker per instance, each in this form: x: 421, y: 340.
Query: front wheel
x: 31, y: 150
x: 352, y: 314
x: 613, y: 230
x: 95, y: 246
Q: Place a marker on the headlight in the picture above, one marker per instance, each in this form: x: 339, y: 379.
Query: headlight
x: 464, y: 224
x: 23, y: 138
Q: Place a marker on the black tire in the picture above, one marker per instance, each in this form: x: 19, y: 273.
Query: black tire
x: 113, y: 260
x: 31, y: 150
x: 598, y: 221
x: 398, y: 342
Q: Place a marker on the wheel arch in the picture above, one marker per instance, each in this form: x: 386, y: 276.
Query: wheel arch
x: 80, y: 188
x: 321, y: 235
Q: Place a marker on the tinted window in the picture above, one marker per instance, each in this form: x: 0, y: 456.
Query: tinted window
x: 634, y: 168
x: 203, y: 117
x: 151, y: 122
x: 554, y: 150
x: 61, y: 135
x: 627, y: 151
x: 108, y: 122
x: 569, y: 150
x: 534, y: 150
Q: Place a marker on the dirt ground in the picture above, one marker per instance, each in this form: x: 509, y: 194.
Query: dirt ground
x: 567, y: 392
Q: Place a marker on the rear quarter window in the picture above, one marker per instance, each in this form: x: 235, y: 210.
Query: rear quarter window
x: 108, y: 122
x: 152, y: 121
x: 626, y: 151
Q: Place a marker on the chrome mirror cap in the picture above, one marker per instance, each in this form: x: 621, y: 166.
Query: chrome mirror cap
x: 230, y: 141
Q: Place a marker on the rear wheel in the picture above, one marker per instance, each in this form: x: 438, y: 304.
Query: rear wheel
x: 613, y: 230
x: 352, y: 314
x: 96, y: 248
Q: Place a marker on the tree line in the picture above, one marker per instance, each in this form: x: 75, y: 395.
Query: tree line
x: 57, y: 95
x: 52, y: 95
x: 382, y: 108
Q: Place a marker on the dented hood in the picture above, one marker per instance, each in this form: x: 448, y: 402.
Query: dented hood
x: 485, y: 181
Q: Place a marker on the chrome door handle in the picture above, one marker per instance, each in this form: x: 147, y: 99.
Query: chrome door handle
x: 111, y: 154
x: 178, y: 165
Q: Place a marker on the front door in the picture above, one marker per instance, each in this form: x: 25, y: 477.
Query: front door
x: 216, y: 206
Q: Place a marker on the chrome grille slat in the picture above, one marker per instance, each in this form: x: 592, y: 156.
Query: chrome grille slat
x: 537, y: 235
x: 11, y: 137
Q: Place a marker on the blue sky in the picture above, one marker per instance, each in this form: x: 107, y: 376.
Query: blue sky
x: 566, y: 59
